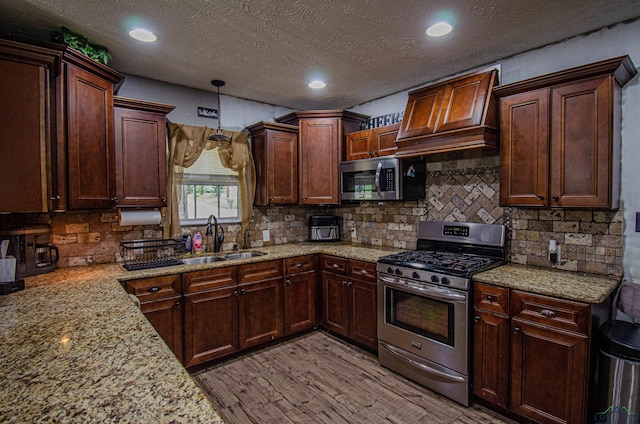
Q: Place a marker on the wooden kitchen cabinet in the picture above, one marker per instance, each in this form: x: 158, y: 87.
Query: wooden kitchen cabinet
x: 140, y: 152
x: 26, y: 76
x: 275, y: 153
x: 210, y: 314
x: 456, y: 114
x: 300, y: 294
x: 372, y: 142
x: 85, y: 131
x: 320, y: 151
x: 560, y: 137
x: 546, y: 376
x: 349, y: 299
x: 161, y: 303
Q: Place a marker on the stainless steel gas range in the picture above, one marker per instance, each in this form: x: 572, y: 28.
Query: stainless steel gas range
x: 424, y: 303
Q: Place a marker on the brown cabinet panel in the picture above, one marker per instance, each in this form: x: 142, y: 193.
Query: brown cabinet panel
x: 300, y: 302
x: 422, y: 112
x: 335, y: 303
x: 299, y: 264
x: 258, y: 271
x: 210, y: 325
x: 549, y: 374
x: 260, y: 312
x: 491, y: 298
x: 524, y: 149
x: 551, y: 312
x: 358, y: 145
x: 165, y: 316
x: 372, y: 142
x: 91, y: 158
x: 210, y: 279
x: 384, y: 140
x: 147, y: 289
x: 319, y: 160
x: 491, y: 357
x: 463, y: 103
x: 334, y: 264
x: 365, y: 271
x: 363, y: 323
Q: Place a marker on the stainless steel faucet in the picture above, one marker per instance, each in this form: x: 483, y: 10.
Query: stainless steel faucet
x: 217, y: 242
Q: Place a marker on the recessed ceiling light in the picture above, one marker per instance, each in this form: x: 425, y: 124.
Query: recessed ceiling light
x: 439, y: 29
x: 317, y: 84
x: 143, y: 35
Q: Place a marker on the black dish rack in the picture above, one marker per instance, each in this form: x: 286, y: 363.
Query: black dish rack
x: 144, y: 254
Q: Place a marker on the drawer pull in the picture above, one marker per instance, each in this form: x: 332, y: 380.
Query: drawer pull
x: 489, y: 298
x: 154, y: 289
x: 363, y: 272
x: 299, y: 264
x: 288, y: 282
x: 548, y: 313
x: 516, y: 330
x: 336, y: 266
x: 477, y: 318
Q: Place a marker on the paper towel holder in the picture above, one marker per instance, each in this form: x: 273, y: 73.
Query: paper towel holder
x: 139, y: 217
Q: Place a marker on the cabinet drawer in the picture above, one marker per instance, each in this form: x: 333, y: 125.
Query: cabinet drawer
x: 551, y: 312
x: 334, y: 264
x: 491, y: 298
x: 299, y: 264
x: 362, y: 270
x: 259, y: 271
x: 147, y: 289
x: 210, y: 279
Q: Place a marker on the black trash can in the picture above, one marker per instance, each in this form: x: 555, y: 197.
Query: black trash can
x: 619, y: 374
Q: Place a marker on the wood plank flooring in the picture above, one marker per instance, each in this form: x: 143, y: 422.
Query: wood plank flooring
x: 318, y: 378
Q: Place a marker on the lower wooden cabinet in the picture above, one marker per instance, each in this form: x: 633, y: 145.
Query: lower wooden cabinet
x: 300, y: 298
x: 531, y: 354
x: 349, y: 299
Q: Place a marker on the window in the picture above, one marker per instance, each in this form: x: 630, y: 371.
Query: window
x: 208, y: 188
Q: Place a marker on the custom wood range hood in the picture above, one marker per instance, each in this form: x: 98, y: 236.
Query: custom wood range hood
x: 456, y: 114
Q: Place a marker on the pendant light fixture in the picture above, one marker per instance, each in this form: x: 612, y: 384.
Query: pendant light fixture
x: 218, y: 136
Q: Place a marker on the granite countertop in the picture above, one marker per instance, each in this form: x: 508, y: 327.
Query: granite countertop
x: 74, y: 348
x: 587, y: 288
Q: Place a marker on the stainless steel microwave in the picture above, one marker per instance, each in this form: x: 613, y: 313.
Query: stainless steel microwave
x: 383, y: 178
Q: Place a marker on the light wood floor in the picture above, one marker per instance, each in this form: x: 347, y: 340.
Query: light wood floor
x: 318, y: 378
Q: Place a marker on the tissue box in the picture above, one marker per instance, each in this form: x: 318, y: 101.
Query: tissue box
x: 7, y: 269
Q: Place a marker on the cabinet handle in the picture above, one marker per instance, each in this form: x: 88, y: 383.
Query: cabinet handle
x: 114, y: 199
x: 540, y: 197
x: 548, y: 313
x: 516, y: 330
x: 370, y: 154
x: 489, y: 298
x: 164, y: 200
x: 242, y: 291
x: 235, y: 292
x: 288, y: 282
x: 177, y: 304
x: 154, y: 289
x: 349, y: 283
x: 335, y: 265
x: 477, y: 318
x: 56, y: 197
x: 304, y: 198
x: 375, y: 153
x: 299, y: 264
x: 363, y: 272
x: 554, y: 198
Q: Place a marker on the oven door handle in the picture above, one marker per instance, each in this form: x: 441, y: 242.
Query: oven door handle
x: 377, y: 180
x: 435, y: 293
x: 439, y: 375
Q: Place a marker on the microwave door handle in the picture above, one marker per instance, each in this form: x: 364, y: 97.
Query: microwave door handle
x: 377, y: 180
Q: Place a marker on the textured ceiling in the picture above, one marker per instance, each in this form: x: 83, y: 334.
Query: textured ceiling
x: 268, y: 50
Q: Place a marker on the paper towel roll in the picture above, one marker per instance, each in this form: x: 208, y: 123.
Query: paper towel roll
x: 150, y: 217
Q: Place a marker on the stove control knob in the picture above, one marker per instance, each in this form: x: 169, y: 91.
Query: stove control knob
x: 398, y: 271
x: 390, y: 270
x: 415, y: 275
x: 434, y: 278
x: 445, y: 281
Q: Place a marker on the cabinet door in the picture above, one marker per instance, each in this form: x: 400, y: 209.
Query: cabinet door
x: 383, y: 140
x: 260, y: 312
x: 524, y: 149
x: 92, y: 182
x: 548, y: 374
x: 422, y: 112
x: 491, y: 357
x: 464, y: 101
x: 363, y: 323
x: 319, y: 161
x: 210, y: 325
x: 23, y: 153
x: 140, y: 155
x: 299, y: 302
x: 166, y: 317
x: 581, y: 144
x: 335, y: 303
x: 358, y: 145
x: 282, y: 170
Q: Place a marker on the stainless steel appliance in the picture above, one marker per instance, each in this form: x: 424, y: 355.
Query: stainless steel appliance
x: 30, y: 246
x: 424, y: 303
x: 383, y: 178
x: 325, y: 228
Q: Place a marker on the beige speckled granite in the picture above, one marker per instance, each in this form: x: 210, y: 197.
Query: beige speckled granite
x: 73, y: 348
x: 575, y: 286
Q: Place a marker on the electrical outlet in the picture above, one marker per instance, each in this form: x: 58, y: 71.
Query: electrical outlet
x: 353, y: 233
x: 554, y: 256
x: 266, y: 235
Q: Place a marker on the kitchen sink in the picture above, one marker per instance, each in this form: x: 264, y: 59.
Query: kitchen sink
x: 203, y: 260
x: 243, y: 255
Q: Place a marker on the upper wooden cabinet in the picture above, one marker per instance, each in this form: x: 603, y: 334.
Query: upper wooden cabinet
x: 140, y: 152
x: 26, y: 75
x: 275, y: 152
x: 320, y: 151
x: 560, y: 137
x: 85, y: 147
x: 452, y: 115
x: 372, y: 143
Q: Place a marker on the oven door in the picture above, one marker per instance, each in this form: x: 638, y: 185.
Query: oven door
x: 425, y: 320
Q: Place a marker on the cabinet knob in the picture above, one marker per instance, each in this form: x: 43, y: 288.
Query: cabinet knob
x: 242, y: 291
x: 304, y: 198
x: 335, y: 265
x: 540, y: 197
x: 177, y: 304
x: 375, y: 153
x: 555, y: 198
x: 154, y: 289
x: 114, y: 199
x: 164, y: 200
x: 548, y: 313
x: 363, y: 272
x: 516, y: 330
x: 288, y: 282
x: 299, y: 264
x: 477, y: 318
x: 56, y: 198
x: 349, y: 283
x: 370, y: 154
x: 489, y: 298
x: 235, y: 292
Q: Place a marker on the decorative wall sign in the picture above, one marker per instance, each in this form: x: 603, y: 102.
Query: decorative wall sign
x: 381, y: 121
x: 207, y: 113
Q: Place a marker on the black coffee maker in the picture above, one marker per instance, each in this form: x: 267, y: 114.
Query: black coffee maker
x: 30, y: 245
